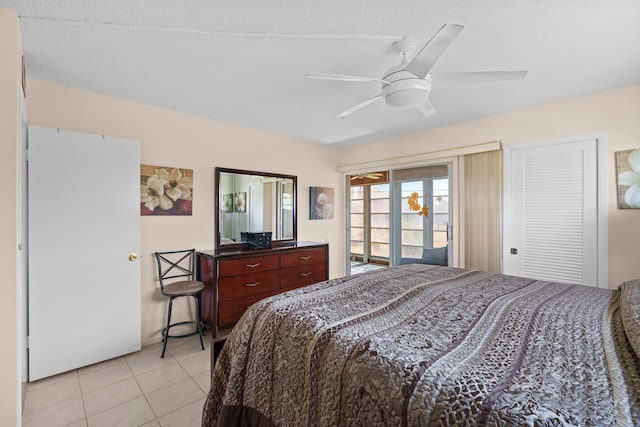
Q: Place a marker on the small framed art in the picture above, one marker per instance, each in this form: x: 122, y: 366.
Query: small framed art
x: 165, y: 190
x: 628, y: 177
x: 320, y: 202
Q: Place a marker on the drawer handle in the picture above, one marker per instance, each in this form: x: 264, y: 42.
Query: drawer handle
x: 252, y: 265
x: 305, y: 274
x: 305, y: 257
x: 251, y: 285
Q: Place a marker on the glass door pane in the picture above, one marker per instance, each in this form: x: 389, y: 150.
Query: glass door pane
x: 412, y: 225
x: 440, y: 212
x: 413, y: 231
x: 369, y: 223
x: 356, y: 222
x: 379, y: 202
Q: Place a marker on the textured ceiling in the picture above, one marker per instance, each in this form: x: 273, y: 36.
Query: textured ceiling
x: 244, y: 62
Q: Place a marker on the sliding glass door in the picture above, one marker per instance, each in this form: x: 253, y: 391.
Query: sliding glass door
x: 382, y: 227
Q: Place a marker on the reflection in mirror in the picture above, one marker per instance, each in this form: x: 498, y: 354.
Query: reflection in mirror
x: 256, y: 202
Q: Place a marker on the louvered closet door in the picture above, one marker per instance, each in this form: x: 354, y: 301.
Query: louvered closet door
x: 551, y: 220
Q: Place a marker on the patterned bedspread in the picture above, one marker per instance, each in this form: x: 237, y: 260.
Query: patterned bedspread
x: 420, y: 345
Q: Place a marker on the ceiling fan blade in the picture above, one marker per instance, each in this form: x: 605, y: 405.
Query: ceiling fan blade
x: 341, y: 77
x: 359, y: 106
x: 440, y: 80
x: 426, y: 108
x: 424, y: 60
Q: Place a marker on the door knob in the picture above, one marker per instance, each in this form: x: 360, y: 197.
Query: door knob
x: 133, y: 257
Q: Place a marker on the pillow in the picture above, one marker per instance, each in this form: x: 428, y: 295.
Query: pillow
x: 410, y: 261
x: 630, y: 312
x: 435, y: 256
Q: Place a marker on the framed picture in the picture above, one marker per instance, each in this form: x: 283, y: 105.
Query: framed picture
x: 240, y: 202
x: 227, y: 202
x: 628, y: 175
x: 165, y: 190
x: 320, y: 202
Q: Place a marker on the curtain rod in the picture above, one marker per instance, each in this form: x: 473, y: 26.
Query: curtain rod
x: 394, y: 161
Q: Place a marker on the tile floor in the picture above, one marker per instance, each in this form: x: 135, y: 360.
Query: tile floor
x: 359, y: 267
x: 138, y: 389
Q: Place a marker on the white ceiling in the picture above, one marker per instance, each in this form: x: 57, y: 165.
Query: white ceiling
x: 244, y: 62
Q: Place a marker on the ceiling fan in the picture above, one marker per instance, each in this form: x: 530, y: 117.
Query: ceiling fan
x: 409, y: 84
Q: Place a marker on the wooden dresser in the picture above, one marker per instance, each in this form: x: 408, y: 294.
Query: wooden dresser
x: 236, y: 279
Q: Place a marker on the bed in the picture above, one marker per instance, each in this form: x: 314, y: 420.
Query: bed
x: 423, y: 345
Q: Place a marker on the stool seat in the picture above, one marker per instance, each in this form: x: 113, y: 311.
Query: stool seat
x: 176, y: 276
x: 184, y: 287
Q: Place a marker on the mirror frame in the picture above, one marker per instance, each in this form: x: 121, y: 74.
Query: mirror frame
x: 217, y: 201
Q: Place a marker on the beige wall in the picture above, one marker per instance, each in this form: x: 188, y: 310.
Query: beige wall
x: 10, y: 74
x: 616, y: 112
x: 173, y: 139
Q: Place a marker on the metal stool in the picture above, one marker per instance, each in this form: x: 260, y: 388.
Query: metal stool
x: 176, y: 277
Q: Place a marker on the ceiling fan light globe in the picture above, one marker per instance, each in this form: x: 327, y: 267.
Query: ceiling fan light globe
x: 406, y: 90
x: 406, y: 99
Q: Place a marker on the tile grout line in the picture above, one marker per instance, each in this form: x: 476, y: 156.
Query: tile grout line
x: 84, y: 408
x: 97, y: 367
x: 146, y: 399
x: 42, y: 408
x: 189, y: 376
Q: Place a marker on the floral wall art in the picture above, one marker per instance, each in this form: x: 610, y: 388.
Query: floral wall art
x: 320, y: 202
x: 227, y: 202
x: 240, y: 202
x: 628, y: 172
x: 234, y: 202
x: 165, y: 190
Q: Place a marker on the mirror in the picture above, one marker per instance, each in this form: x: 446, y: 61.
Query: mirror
x: 254, y: 201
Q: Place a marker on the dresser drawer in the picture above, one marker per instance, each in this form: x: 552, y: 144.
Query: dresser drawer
x: 303, y: 257
x: 301, y: 275
x: 233, y: 267
x: 231, y: 311
x: 230, y: 287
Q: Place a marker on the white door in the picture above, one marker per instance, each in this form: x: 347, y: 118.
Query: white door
x: 551, y: 217
x: 84, y: 222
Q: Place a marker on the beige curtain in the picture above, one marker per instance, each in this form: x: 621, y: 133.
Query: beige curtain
x: 482, y: 210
